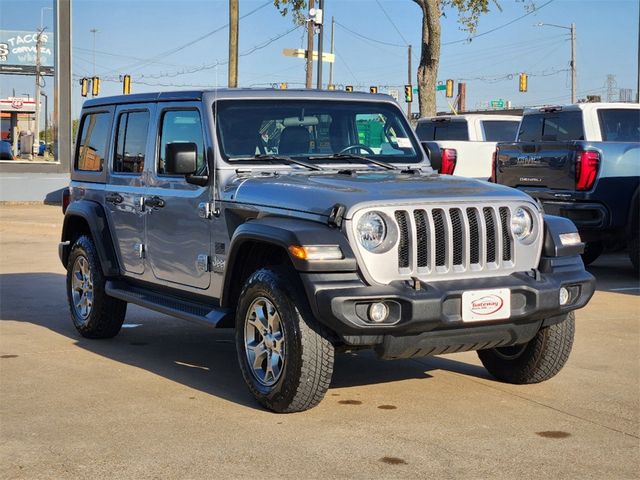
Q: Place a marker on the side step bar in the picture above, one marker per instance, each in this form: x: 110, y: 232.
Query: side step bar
x: 167, y: 304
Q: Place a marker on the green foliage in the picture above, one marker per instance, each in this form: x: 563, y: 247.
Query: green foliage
x: 297, y: 7
x: 469, y: 11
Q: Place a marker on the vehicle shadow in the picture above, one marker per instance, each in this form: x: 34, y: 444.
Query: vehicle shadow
x: 193, y: 355
x: 614, y: 273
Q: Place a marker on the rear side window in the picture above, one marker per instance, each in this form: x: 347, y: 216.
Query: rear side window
x: 620, y: 124
x: 442, y: 130
x: 500, y: 131
x: 551, y: 127
x: 93, y: 142
x: 180, y: 126
x: 131, y: 142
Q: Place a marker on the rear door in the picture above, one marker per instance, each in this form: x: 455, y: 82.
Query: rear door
x: 545, y: 154
x: 125, y: 189
x: 178, y: 238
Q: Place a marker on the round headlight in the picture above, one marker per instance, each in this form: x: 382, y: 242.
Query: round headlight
x: 372, y: 230
x: 521, y: 223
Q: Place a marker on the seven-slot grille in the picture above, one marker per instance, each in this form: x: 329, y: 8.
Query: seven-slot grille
x: 454, y: 239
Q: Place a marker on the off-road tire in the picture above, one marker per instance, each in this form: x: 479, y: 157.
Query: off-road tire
x: 542, y: 357
x: 107, y: 313
x: 592, y: 250
x: 308, y: 364
x: 634, y: 252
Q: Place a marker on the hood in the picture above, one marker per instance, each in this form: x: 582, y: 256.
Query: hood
x: 317, y: 193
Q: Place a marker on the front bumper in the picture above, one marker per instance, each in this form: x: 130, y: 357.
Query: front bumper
x: 429, y: 319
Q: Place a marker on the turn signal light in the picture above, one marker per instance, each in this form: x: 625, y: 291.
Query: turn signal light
x: 587, y: 165
x: 449, y: 158
x: 316, y: 252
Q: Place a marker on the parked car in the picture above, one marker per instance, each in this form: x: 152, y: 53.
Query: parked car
x: 323, y: 244
x: 464, y: 145
x: 6, y: 152
x: 581, y: 162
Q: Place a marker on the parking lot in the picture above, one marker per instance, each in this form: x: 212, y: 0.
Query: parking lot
x: 165, y: 398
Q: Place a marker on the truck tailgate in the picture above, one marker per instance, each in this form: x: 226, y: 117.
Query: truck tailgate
x: 542, y: 164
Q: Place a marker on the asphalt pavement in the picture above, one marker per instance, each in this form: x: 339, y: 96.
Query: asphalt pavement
x: 165, y: 398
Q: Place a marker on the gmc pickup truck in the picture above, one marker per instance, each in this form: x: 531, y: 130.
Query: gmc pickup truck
x: 581, y: 162
x: 463, y: 145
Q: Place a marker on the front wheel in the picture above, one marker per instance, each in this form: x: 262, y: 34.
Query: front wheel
x: 535, y: 361
x: 285, y: 355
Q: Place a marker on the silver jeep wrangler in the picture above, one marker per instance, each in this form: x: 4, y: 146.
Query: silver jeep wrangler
x: 311, y: 222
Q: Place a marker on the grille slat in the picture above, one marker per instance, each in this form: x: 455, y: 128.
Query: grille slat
x: 506, y: 239
x: 403, y: 243
x: 422, y: 238
x: 490, y: 239
x: 439, y: 228
x: 474, y: 236
x: 457, y: 235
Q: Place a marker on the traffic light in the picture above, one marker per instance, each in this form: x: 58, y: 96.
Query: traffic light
x: 348, y: 88
x: 331, y: 86
x: 449, y: 91
x: 408, y: 93
x: 283, y: 86
x: 95, y: 86
x: 373, y: 89
x: 126, y: 85
x: 84, y: 87
x: 524, y: 79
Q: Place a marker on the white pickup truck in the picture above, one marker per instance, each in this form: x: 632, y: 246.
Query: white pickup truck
x: 463, y: 145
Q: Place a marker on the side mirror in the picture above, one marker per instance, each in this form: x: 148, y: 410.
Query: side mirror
x: 181, y: 158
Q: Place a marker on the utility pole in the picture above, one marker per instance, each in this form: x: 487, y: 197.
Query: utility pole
x: 574, y: 98
x: 320, y: 16
x: 638, y: 78
x: 310, y: 33
x: 333, y: 25
x: 36, y: 130
x: 233, y: 43
x: 94, y: 31
x: 409, y: 82
x: 46, y: 116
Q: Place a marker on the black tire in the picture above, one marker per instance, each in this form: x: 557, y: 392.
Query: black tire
x: 536, y: 361
x: 106, y: 314
x: 592, y: 250
x: 634, y: 252
x: 307, y: 367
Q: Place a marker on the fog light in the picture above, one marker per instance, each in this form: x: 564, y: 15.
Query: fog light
x: 378, y: 312
x: 564, y: 296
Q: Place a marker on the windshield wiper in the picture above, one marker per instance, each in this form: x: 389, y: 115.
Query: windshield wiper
x: 350, y: 156
x: 275, y: 158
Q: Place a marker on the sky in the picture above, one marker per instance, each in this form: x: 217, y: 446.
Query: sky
x: 143, y: 38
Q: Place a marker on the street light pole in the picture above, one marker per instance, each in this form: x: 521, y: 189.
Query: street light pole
x: 574, y: 72
x: 310, y: 34
x: 36, y: 130
x: 94, y: 31
x: 320, y: 42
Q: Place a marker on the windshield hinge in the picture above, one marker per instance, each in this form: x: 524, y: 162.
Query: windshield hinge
x: 337, y: 215
x: 207, y: 210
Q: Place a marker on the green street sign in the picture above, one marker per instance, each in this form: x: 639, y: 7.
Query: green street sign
x: 415, y: 90
x: 496, y: 103
x: 440, y: 88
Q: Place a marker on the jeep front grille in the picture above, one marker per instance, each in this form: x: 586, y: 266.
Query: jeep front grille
x: 450, y: 238
x: 450, y: 242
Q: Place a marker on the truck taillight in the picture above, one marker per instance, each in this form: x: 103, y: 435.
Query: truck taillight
x: 494, y: 158
x: 66, y: 199
x: 449, y: 157
x: 587, y: 164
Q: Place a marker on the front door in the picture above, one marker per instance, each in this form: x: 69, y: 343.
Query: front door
x: 177, y: 237
x: 125, y: 189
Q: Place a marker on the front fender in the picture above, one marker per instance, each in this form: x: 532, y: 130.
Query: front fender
x: 94, y: 216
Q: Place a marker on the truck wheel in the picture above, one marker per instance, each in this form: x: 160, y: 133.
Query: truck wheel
x: 634, y: 252
x: 535, y: 361
x: 94, y: 313
x: 592, y: 250
x: 284, y: 353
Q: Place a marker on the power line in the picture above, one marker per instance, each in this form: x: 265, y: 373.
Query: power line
x: 392, y: 23
x: 389, y: 44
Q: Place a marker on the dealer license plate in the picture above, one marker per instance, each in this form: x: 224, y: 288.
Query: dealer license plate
x: 483, y: 305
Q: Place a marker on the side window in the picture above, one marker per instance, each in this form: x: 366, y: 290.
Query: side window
x: 620, y: 125
x: 93, y: 142
x: 131, y: 142
x: 181, y: 126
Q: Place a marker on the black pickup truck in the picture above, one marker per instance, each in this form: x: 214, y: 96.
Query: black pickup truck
x: 581, y: 162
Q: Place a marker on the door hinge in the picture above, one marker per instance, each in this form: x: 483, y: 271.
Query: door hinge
x: 140, y: 249
x: 203, y: 263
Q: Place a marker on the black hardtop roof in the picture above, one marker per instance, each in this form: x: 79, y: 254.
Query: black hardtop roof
x: 236, y: 94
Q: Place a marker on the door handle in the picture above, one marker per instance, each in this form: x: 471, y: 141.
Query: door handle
x: 154, y: 202
x: 114, y: 198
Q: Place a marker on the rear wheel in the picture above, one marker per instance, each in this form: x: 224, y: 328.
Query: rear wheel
x: 535, y: 361
x: 94, y: 313
x: 634, y: 252
x: 285, y: 355
x: 592, y: 250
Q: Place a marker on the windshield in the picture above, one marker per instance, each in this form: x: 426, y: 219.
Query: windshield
x: 313, y: 128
